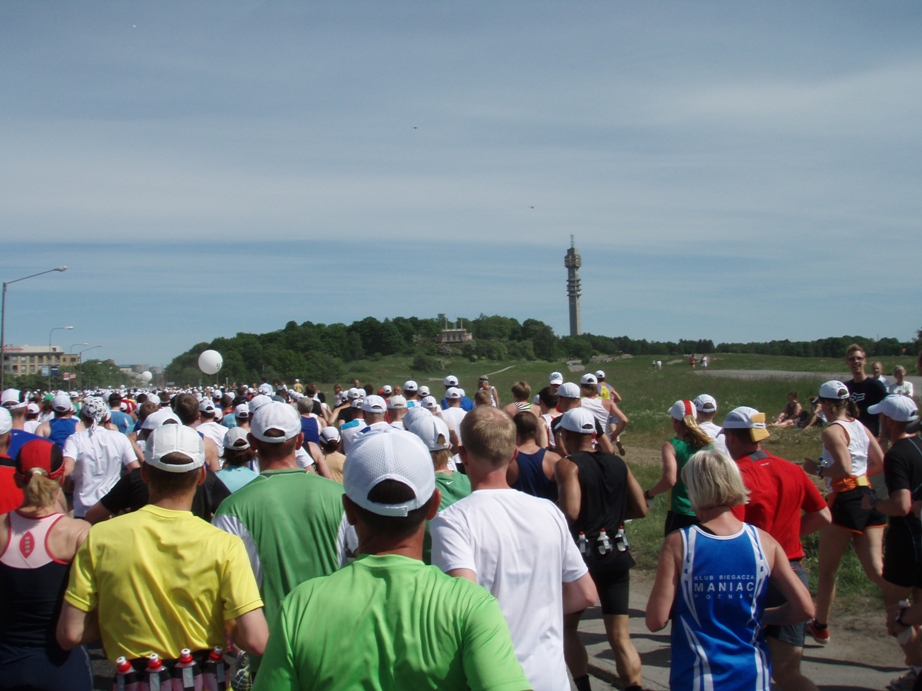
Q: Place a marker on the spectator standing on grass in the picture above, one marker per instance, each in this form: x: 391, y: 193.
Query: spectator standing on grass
x: 712, y: 581
x: 851, y: 455
x: 902, y: 571
x: 597, y: 494
x: 784, y: 503
x: 864, y: 391
x: 900, y: 385
x: 688, y: 439
x: 517, y: 546
x: 387, y: 621
x: 877, y: 373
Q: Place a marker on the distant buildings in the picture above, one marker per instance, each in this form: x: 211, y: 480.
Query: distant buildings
x: 26, y: 359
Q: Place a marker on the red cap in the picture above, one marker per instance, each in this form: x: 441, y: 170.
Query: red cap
x: 185, y: 656
x: 217, y: 653
x: 40, y: 454
x: 122, y: 665
x: 153, y: 662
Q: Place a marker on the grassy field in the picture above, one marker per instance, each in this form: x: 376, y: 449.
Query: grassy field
x: 647, y: 394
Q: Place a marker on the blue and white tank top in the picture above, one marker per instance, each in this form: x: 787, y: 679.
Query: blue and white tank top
x: 717, y: 641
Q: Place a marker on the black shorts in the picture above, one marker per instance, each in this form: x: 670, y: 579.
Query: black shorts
x: 614, y: 590
x: 847, y: 512
x: 793, y: 634
x: 902, y: 559
x: 677, y: 521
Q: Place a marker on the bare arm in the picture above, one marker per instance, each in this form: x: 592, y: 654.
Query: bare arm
x: 605, y: 444
x: 211, y: 455
x: 670, y: 471
x: 97, y: 513
x: 250, y: 631
x: 512, y: 470
x: 319, y: 461
x: 76, y: 627
x: 579, y: 594
x: 811, y: 522
x: 636, y: 504
x: 875, y: 457
x: 569, y: 495
x: 541, y: 436
x: 897, y: 504
x: 659, y: 606
x: 798, y: 605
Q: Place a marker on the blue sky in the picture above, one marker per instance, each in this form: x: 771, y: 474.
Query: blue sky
x: 730, y: 171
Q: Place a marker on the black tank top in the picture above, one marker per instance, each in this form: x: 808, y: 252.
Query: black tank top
x: 532, y: 479
x: 603, y: 488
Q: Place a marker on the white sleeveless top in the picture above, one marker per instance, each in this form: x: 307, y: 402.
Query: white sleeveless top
x: 858, y: 444
x: 598, y: 410
x: 28, y: 544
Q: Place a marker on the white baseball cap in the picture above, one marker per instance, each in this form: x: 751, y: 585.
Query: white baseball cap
x: 61, y: 403
x: 396, y: 402
x: 569, y: 390
x: 588, y: 378
x: 680, y: 409
x: 329, y: 434
x: 430, y: 403
x: 355, y: 392
x: 374, y: 405
x: 11, y: 399
x: 276, y: 416
x: 415, y: 412
x: 423, y: 391
x: 206, y: 406
x: 175, y: 439
x: 242, y: 411
x: 453, y: 393
x: 578, y: 420
x: 409, y: 385
x: 233, y: 438
x: 33, y: 409
x: 556, y: 378
x: 264, y: 389
x: 896, y: 407
x: 379, y: 456
x: 160, y: 417
x: 6, y: 422
x: 258, y: 402
x: 834, y: 390
x: 451, y: 380
x: 600, y: 374
x: 428, y: 429
x: 705, y: 403
x: 387, y: 389
x: 747, y: 418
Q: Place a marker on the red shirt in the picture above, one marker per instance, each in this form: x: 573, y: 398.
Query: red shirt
x: 10, y: 494
x: 779, y: 490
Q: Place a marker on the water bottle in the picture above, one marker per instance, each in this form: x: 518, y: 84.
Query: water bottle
x: 621, y: 540
x: 126, y: 679
x: 903, y: 637
x: 155, y: 676
x: 214, y: 672
x: 603, y: 543
x: 583, y: 544
x: 186, y: 674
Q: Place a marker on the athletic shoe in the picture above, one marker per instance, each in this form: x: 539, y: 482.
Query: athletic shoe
x: 821, y: 636
x: 620, y: 447
x: 903, y: 683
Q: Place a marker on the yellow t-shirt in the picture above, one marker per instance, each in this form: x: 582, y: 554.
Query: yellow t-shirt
x: 163, y: 580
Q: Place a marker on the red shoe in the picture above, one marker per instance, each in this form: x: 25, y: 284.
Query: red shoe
x: 821, y: 636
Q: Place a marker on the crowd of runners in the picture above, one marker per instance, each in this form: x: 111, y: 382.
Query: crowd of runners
x: 396, y: 537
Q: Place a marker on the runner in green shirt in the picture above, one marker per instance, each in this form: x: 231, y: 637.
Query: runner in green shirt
x: 387, y: 621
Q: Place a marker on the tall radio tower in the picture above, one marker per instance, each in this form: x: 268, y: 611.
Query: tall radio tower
x: 573, y: 261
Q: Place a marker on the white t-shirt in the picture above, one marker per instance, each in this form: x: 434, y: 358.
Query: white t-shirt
x: 98, y: 462
x: 454, y: 416
x: 713, y: 431
x: 31, y: 425
x: 216, y: 433
x: 522, y: 552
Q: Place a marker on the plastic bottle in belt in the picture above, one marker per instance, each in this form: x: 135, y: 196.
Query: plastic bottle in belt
x: 155, y: 677
x: 214, y: 672
x: 186, y: 673
x: 126, y: 679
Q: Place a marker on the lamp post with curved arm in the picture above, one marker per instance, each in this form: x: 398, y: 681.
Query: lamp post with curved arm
x: 80, y: 363
x: 57, y: 328
x: 3, y: 318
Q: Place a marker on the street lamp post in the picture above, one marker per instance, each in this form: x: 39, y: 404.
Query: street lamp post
x: 3, y: 317
x: 57, y: 328
x: 80, y: 364
x: 70, y: 351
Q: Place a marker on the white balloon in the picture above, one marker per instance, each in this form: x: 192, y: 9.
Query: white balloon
x: 210, y: 361
x: 146, y: 376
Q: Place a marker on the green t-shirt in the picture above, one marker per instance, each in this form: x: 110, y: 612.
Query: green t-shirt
x: 683, y: 451
x: 292, y: 520
x: 386, y: 623
x: 454, y: 487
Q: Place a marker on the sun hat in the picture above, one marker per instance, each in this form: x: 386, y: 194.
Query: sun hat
x: 175, y: 439
x: 379, y: 456
x: 747, y: 418
x: 578, y: 420
x: 834, y: 390
x: 589, y: 379
x: 896, y: 407
x: 680, y: 409
x: 556, y: 378
x: 275, y: 416
x: 705, y: 403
